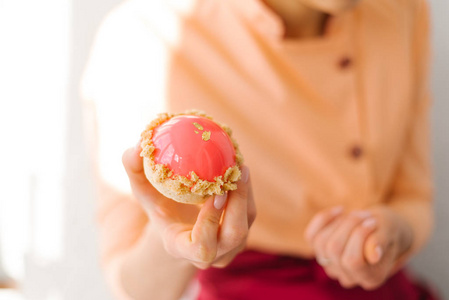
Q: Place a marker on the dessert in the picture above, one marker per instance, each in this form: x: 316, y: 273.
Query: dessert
x: 188, y: 157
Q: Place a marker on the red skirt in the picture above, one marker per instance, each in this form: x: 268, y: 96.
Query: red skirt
x: 255, y: 275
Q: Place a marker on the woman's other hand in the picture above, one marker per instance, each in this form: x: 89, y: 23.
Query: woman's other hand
x: 359, y: 248
x: 207, y: 235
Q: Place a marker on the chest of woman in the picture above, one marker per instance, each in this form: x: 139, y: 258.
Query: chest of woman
x: 323, y: 119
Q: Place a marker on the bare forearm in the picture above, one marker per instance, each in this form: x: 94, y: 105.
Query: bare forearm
x: 148, y: 272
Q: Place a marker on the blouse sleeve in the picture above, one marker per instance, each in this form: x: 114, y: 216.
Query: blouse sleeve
x: 411, y: 197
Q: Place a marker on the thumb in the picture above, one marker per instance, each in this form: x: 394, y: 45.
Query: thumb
x: 205, y: 231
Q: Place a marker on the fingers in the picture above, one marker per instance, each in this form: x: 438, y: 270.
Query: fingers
x: 360, y: 249
x: 205, y: 231
x: 239, y: 215
x: 331, y: 242
x: 141, y: 187
x: 335, y: 244
x: 321, y: 220
x: 198, y: 244
x: 237, y: 218
x: 374, y: 248
x: 369, y: 276
x: 352, y: 258
x: 217, y: 238
x: 251, y: 209
x: 396, y: 237
x: 213, y: 236
x: 226, y: 259
x: 321, y: 239
x: 338, y: 240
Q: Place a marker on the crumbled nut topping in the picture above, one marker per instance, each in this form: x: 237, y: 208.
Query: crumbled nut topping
x: 206, y: 136
x: 198, y: 126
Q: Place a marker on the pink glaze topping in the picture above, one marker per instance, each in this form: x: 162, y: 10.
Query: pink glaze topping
x: 193, y: 143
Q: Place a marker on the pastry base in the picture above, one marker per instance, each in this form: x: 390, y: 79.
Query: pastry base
x: 169, y: 188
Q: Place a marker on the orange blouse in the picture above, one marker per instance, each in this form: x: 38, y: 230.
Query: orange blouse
x: 339, y: 119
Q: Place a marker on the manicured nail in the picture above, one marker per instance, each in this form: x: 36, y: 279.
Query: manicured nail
x: 369, y: 223
x: 220, y: 200
x: 363, y: 214
x: 245, y: 175
x: 379, y: 252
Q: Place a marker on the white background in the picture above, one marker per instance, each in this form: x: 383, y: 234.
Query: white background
x: 47, y: 223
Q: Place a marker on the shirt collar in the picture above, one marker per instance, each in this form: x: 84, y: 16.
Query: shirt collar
x: 270, y: 24
x: 261, y: 17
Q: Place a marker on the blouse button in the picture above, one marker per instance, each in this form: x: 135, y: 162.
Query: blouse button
x: 356, y: 152
x: 345, y: 62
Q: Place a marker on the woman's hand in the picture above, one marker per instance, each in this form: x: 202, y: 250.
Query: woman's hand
x: 359, y: 248
x: 208, y: 235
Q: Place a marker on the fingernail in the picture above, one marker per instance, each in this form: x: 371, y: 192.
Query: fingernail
x: 363, y: 214
x: 369, y: 223
x: 245, y: 174
x: 379, y: 253
x: 337, y: 210
x: 220, y: 200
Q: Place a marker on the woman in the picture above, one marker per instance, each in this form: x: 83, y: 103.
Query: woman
x: 329, y: 103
